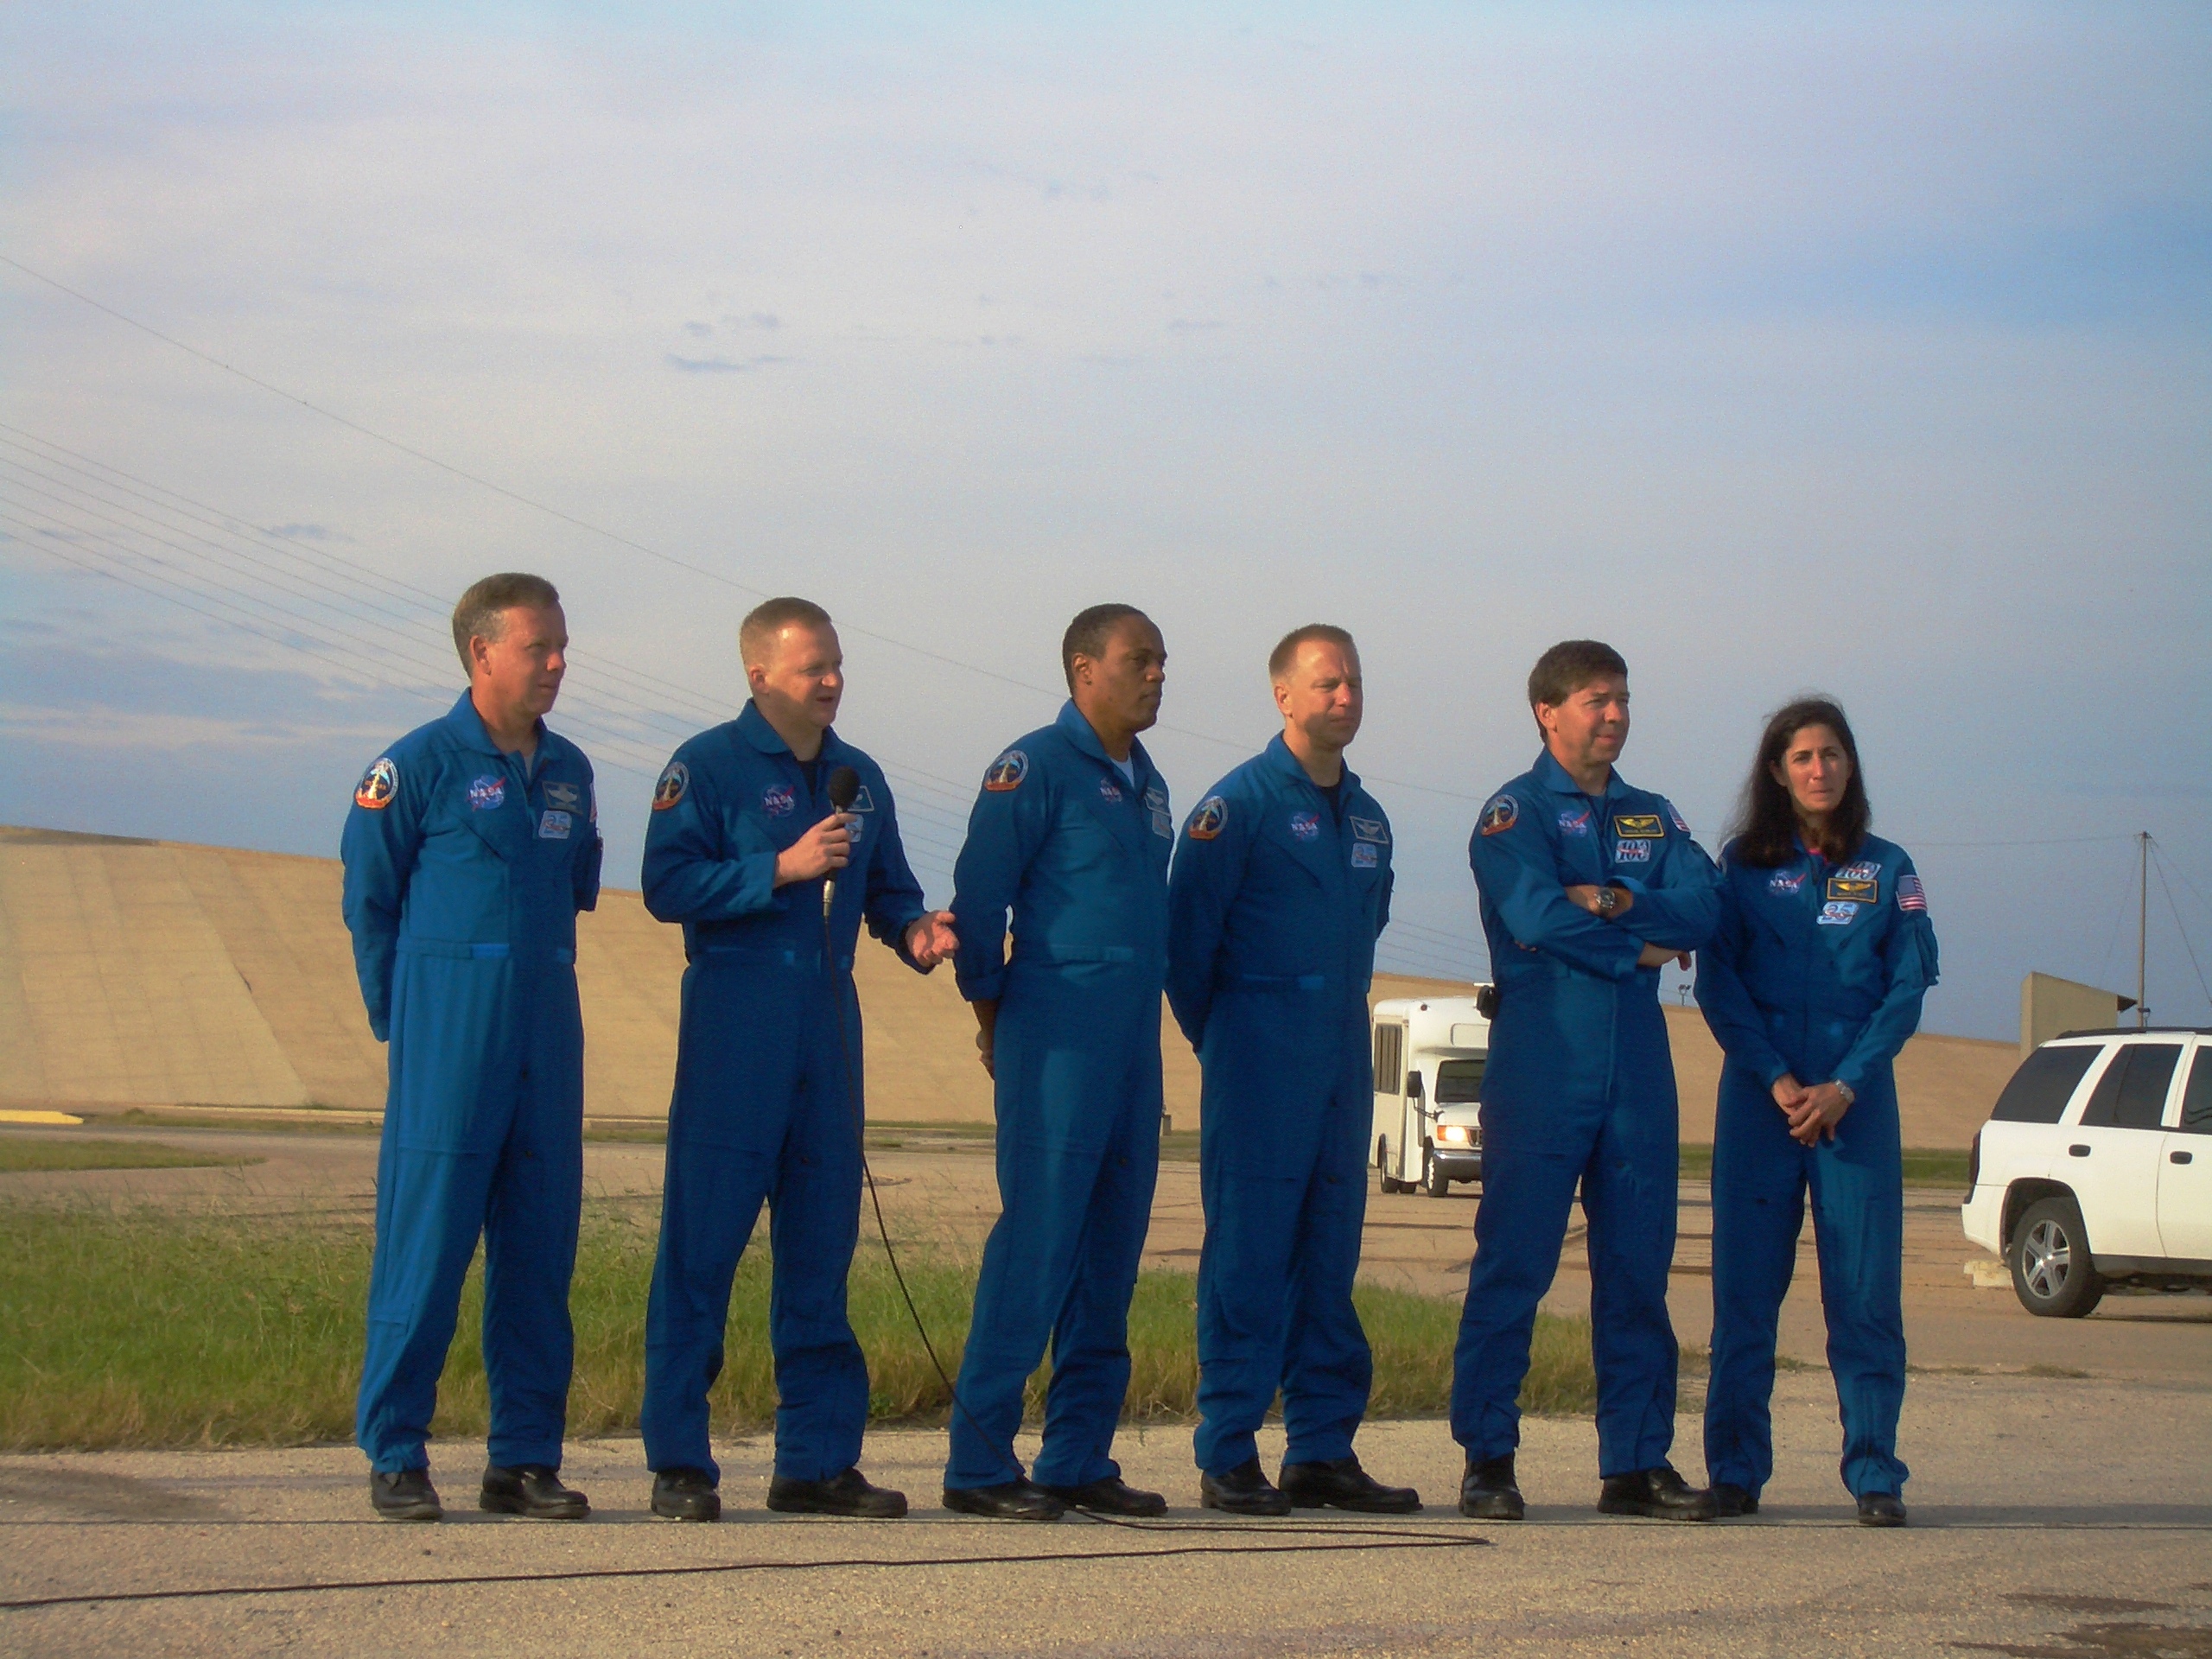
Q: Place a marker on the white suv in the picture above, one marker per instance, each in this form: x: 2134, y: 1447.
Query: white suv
x: 2095, y: 1168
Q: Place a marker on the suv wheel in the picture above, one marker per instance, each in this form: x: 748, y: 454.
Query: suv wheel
x: 2049, y: 1256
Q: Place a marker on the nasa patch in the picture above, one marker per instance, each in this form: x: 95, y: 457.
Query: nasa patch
x: 1365, y: 855
x: 1501, y: 814
x: 567, y: 797
x: 487, y: 793
x: 1372, y: 830
x: 1783, y: 882
x: 779, y: 800
x: 555, y: 825
x: 1007, y: 771
x: 1837, y: 913
x: 1307, y: 826
x: 1108, y: 790
x: 1632, y: 852
x: 1572, y: 822
x: 1210, y: 820
x: 378, y: 786
x: 675, y: 779
x: 1638, y: 826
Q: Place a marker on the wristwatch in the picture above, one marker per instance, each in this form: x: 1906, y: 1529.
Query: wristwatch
x: 1608, y: 901
x: 1848, y: 1093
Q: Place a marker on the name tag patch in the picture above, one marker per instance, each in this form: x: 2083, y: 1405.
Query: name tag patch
x: 1837, y: 913
x: 567, y: 797
x: 1639, y: 826
x: 862, y: 802
x: 1365, y: 855
x: 487, y: 793
x: 555, y: 825
x: 1632, y: 852
x: 1856, y: 890
x: 1372, y: 830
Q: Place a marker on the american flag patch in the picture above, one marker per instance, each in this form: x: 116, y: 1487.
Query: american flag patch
x: 1910, y: 895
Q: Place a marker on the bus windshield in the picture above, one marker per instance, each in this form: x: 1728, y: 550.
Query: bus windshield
x: 1458, y: 1083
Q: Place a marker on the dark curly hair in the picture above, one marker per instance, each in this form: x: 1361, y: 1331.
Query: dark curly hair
x: 1766, y: 828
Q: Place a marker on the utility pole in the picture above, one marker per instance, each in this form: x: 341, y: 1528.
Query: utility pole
x: 2142, y: 930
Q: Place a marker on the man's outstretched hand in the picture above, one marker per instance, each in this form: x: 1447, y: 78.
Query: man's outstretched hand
x: 930, y: 939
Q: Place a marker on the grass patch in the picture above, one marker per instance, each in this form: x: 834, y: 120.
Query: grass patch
x: 1924, y: 1166
x: 20, y: 1153
x: 140, y: 1328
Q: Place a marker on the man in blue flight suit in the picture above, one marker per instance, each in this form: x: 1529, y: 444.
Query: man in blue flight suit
x: 1072, y: 833
x: 771, y: 884
x: 472, y: 844
x: 1281, y: 887
x: 1587, y: 886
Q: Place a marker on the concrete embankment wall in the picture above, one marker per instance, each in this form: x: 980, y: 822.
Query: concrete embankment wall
x: 162, y: 973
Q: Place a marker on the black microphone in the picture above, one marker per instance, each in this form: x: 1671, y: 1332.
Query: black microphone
x: 845, y: 789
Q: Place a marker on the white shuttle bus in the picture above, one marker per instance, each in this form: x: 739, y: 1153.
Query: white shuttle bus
x: 1429, y: 1053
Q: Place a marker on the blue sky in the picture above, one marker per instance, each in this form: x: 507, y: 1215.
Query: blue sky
x: 1863, y: 348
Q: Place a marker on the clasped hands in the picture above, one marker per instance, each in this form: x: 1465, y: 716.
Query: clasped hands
x: 1585, y: 894
x: 1813, y: 1113
x: 826, y: 848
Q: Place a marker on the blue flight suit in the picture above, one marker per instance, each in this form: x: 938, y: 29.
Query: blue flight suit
x: 1579, y: 1086
x: 1079, y: 854
x: 1274, y: 903
x: 1817, y: 970
x: 762, y: 1110
x: 464, y: 868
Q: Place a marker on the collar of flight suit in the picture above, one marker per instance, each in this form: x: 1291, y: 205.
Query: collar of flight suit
x: 1278, y: 758
x: 753, y: 726
x: 1080, y: 733
x: 1553, y: 777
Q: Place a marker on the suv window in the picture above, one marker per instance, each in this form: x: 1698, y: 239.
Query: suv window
x: 1459, y: 1082
x: 2131, y: 1093
x: 2196, y: 1104
x: 2042, y: 1085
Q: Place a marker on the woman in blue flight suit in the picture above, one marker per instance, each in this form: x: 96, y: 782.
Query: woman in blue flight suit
x: 1812, y: 984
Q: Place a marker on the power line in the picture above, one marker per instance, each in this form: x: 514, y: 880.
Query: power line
x: 590, y: 528
x: 2157, y: 855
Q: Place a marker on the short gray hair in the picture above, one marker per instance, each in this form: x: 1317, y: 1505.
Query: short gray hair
x: 481, y: 613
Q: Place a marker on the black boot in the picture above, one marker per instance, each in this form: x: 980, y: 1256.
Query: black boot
x: 848, y: 1494
x: 1010, y: 1500
x: 530, y: 1490
x: 686, y: 1495
x: 1110, y: 1495
x: 1881, y: 1509
x: 1730, y: 1500
x: 405, y: 1495
x: 1341, y: 1484
x: 1244, y: 1490
x: 1487, y: 1491
x: 1658, y: 1494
